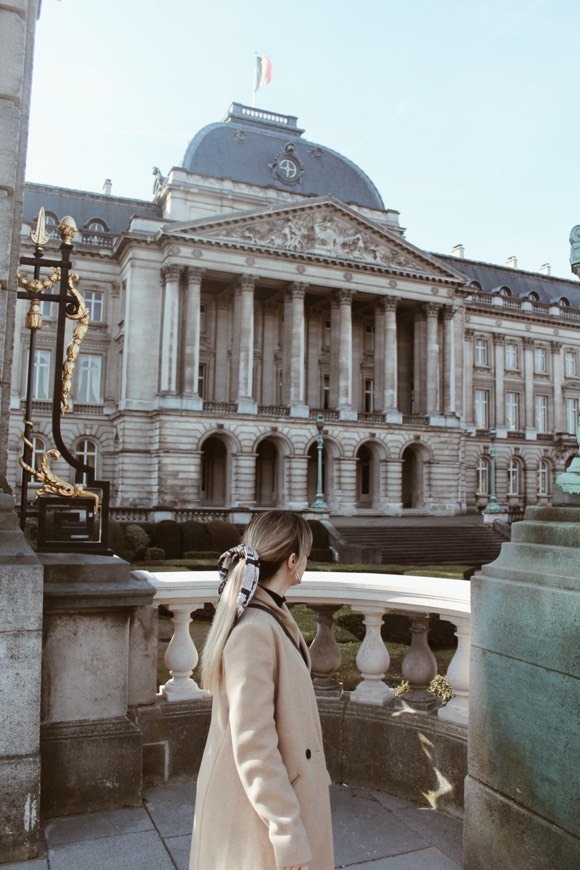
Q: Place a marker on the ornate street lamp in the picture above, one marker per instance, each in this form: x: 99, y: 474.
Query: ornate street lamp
x: 319, y: 504
x: 492, y: 506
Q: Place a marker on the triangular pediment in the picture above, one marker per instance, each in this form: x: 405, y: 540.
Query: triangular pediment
x: 322, y: 230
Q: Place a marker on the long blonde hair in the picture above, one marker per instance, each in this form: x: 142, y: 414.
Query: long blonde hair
x: 274, y: 535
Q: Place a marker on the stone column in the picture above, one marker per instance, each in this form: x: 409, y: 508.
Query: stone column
x: 221, y: 393
x: 458, y: 331
x: 314, y: 386
x: 296, y: 293
x: 449, y: 360
x: 468, y: 378
x: 557, y: 379
x: 170, y: 330
x: 529, y: 387
x: 379, y: 357
x: 269, y: 331
x: 345, y: 408
x: 191, y: 340
x: 296, y: 498
x: 245, y: 326
x: 347, y: 478
x: 419, y: 368
x: 432, y: 311
x: 499, y: 360
x: 334, y: 350
x: 394, y: 503
x: 390, y: 401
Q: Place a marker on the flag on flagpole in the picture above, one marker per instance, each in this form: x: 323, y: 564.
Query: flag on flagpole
x: 263, y: 71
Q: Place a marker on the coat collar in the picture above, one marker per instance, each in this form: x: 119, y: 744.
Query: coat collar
x: 284, y: 615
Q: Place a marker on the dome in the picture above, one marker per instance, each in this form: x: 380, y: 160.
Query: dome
x: 261, y: 148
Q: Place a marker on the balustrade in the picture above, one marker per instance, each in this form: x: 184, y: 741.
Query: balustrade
x: 373, y: 595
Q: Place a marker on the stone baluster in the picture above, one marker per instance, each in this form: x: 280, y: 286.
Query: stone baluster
x: 325, y: 653
x: 181, y: 657
x: 372, y: 661
x: 419, y: 667
x: 457, y: 709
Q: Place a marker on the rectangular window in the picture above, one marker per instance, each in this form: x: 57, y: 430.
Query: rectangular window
x: 483, y: 477
x: 46, y: 307
x: 541, y: 413
x: 94, y: 302
x: 511, y: 356
x: 369, y: 338
x: 326, y: 391
x: 41, y: 375
x: 369, y: 396
x: 540, y: 360
x: 543, y: 478
x: 512, y: 411
x: 482, y: 409
x: 201, y: 380
x: 88, y: 390
x: 481, y: 357
x: 572, y: 415
x: 514, y: 477
x: 571, y: 368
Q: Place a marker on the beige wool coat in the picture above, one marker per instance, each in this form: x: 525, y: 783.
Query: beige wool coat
x: 262, y: 792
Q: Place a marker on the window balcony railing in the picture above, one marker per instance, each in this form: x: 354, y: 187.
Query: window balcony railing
x: 373, y: 595
x: 415, y: 420
x: 273, y: 411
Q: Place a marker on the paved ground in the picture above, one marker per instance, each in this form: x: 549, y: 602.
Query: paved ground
x: 372, y: 831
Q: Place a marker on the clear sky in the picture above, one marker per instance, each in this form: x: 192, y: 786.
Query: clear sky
x: 464, y: 113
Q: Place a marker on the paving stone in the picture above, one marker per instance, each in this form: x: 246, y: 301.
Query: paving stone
x: 424, y: 859
x: 94, y: 826
x: 440, y: 830
x: 126, y: 852
x: 171, y: 808
x: 179, y: 849
x: 391, y: 802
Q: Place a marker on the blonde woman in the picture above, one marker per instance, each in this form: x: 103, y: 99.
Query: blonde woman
x: 262, y: 792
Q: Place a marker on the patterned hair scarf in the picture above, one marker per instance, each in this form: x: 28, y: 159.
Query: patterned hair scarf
x: 227, y: 562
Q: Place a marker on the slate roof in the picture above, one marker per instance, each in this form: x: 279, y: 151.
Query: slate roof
x: 244, y: 147
x: 520, y: 283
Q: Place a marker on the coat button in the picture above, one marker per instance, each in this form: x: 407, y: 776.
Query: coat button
x: 308, y: 753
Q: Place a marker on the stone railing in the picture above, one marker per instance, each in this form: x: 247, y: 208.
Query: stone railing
x: 373, y: 595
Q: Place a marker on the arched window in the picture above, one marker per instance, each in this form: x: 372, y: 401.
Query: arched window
x: 96, y: 225
x: 533, y: 296
x: 515, y: 476
x: 50, y: 223
x: 564, y: 302
x: 482, y: 479
x: 544, y: 478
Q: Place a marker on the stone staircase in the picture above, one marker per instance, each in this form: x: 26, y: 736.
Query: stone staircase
x: 425, y: 544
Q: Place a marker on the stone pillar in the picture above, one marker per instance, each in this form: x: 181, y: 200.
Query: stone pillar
x: 521, y: 791
x: 499, y: 361
x: 394, y: 503
x: 557, y: 380
x: 296, y: 293
x: 468, y: 378
x: 419, y: 367
x: 170, y: 330
x: 269, y: 332
x: 92, y: 753
x: 297, y: 496
x: 347, y: 477
x: 244, y: 480
x: 314, y: 386
x: 325, y: 653
x: 390, y: 400
x: 529, y: 386
x: 245, y: 325
x: 449, y: 361
x: 380, y: 357
x: 459, y: 328
x: 191, y: 339
x: 432, y: 311
x: 345, y: 407
x: 221, y: 392
x: 334, y: 350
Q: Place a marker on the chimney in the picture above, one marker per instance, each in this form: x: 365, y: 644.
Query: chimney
x: 512, y: 262
x: 458, y: 251
x: 107, y: 187
x: 545, y: 269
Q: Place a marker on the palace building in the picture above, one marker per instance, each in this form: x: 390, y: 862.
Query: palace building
x: 264, y: 287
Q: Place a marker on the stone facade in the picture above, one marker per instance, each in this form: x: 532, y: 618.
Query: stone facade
x: 227, y: 315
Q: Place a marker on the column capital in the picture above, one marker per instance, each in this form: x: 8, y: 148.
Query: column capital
x: 469, y: 334
x: 528, y: 343
x: 419, y: 315
x: 245, y: 283
x: 344, y: 296
x: 498, y: 339
x: 389, y: 303
x: 297, y: 289
x: 449, y: 312
x: 432, y: 309
x: 171, y: 272
x: 194, y: 275
x: 556, y: 347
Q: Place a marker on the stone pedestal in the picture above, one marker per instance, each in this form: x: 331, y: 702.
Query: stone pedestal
x: 521, y: 808
x: 92, y: 753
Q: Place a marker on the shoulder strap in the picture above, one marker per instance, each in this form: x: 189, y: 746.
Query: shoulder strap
x: 278, y: 620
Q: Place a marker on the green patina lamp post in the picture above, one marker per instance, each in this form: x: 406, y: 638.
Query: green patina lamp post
x: 319, y: 504
x: 492, y: 506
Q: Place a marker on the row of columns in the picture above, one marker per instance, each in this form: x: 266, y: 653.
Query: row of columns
x: 181, y: 341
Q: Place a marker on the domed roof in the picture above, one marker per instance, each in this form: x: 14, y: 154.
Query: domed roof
x: 265, y: 149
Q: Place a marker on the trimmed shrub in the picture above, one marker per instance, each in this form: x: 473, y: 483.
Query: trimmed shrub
x: 154, y: 554
x: 210, y: 555
x: 117, y: 539
x: 195, y: 537
x: 223, y: 535
x: 137, y: 540
x: 167, y: 535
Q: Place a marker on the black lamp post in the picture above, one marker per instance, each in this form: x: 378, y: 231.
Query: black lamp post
x: 492, y: 506
x: 319, y: 504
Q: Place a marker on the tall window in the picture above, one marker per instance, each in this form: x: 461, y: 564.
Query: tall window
x: 541, y: 360
x: 482, y: 479
x: 481, y: 409
x: 326, y: 335
x: 515, y: 477
x: 369, y: 338
x: 46, y: 307
x: 326, y: 391
x: 512, y: 411
x: 481, y: 355
x: 571, y: 366
x: 541, y: 413
x: 38, y: 451
x: 201, y: 380
x: 88, y: 390
x: 94, y: 302
x: 511, y: 356
x: 572, y: 415
x: 369, y: 396
x: 86, y: 452
x: 41, y: 375
x: 544, y: 478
